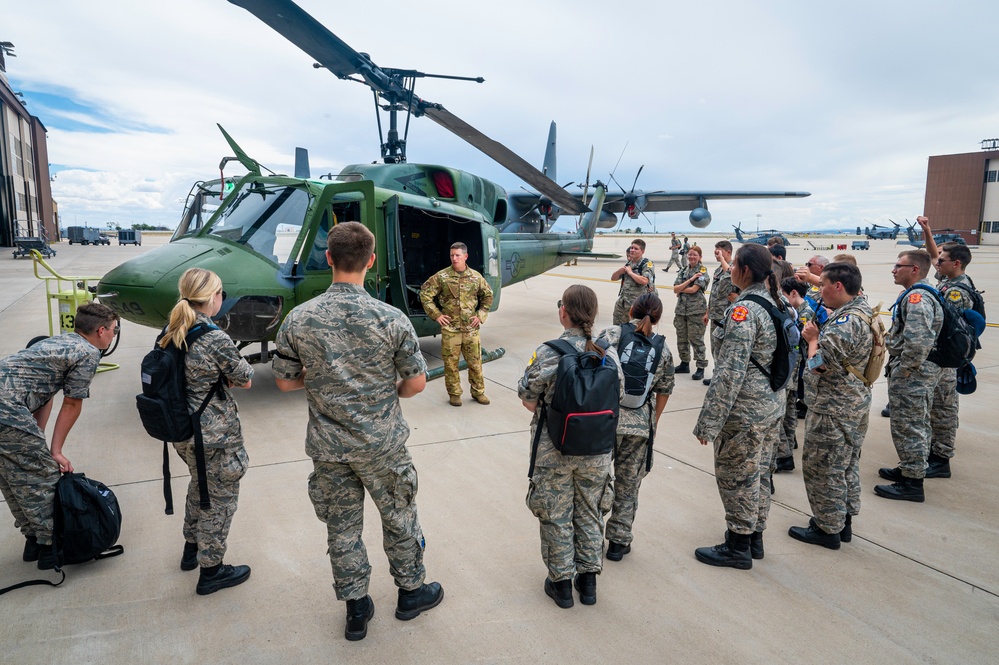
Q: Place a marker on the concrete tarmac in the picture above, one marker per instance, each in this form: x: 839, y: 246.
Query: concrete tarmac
x: 919, y: 583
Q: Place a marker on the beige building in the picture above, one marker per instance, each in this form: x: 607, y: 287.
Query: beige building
x: 26, y: 207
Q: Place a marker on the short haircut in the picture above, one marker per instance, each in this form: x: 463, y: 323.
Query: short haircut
x: 724, y: 245
x: 845, y: 273
x: 819, y: 260
x: 775, y: 241
x: 845, y: 258
x: 789, y: 284
x: 93, y: 315
x: 460, y: 245
x: 957, y: 252
x: 639, y: 242
x: 350, y: 245
x: 783, y: 269
x: 778, y: 251
x: 920, y: 258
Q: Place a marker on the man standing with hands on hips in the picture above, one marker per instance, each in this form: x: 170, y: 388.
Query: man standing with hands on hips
x: 458, y: 298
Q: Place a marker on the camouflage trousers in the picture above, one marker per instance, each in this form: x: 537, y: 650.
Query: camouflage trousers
x: 622, y: 310
x: 909, y: 399
x: 742, y: 471
x: 831, y: 466
x: 944, y: 414
x: 337, y: 493
x: 453, y: 347
x: 629, y: 470
x: 674, y: 259
x: 789, y: 426
x: 209, y: 527
x: 690, y: 333
x: 716, y: 340
x: 570, y: 504
x: 28, y: 477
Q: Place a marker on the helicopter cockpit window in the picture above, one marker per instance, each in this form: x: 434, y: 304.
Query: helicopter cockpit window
x: 202, y: 202
x: 266, y: 219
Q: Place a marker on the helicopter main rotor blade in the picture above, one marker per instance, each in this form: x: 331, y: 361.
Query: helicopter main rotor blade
x: 506, y: 158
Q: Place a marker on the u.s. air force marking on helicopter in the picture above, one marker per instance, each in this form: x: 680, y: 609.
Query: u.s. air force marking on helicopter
x: 514, y: 265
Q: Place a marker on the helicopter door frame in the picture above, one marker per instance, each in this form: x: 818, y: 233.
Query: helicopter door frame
x: 396, y: 268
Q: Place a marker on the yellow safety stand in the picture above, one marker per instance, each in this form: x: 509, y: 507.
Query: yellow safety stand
x: 68, y: 293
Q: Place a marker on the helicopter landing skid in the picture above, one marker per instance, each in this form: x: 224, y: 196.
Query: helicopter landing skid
x: 487, y: 356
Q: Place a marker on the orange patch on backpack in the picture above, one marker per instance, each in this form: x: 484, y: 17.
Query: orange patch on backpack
x: 740, y: 313
x: 915, y: 297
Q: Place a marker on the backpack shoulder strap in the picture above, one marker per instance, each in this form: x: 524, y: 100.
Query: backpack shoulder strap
x: 562, y: 347
x: 765, y: 304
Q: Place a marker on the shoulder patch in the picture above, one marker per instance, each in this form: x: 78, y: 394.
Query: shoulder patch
x: 740, y: 313
x: 915, y: 297
x: 534, y: 356
x: 704, y: 268
x: 843, y: 319
x: 649, y: 263
x: 955, y: 296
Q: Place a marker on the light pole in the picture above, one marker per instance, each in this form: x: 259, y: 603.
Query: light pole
x: 758, y: 222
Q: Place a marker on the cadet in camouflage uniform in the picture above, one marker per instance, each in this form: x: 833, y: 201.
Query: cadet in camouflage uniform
x: 459, y: 298
x: 568, y: 494
x: 29, y: 379
x: 741, y: 414
x: 674, y: 257
x: 916, y: 321
x: 839, y: 405
x: 345, y: 348
x: 691, y: 307
x: 211, y: 357
x: 722, y: 295
x: 956, y: 288
x: 636, y: 429
x: 793, y: 292
x: 637, y: 276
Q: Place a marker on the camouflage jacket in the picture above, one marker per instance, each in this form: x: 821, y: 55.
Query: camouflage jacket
x: 211, y: 354
x: 460, y: 295
x: 31, y: 377
x: 636, y: 422
x: 845, y: 339
x: 630, y: 289
x: 538, y: 383
x: 915, y: 323
x: 957, y: 295
x: 690, y: 304
x: 351, y: 347
x: 739, y: 393
x: 721, y: 287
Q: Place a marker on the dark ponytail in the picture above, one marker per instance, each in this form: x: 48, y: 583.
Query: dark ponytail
x: 759, y: 261
x: 580, y: 305
x: 649, y: 308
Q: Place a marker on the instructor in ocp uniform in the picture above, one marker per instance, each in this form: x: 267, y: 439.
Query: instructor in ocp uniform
x: 458, y: 298
x: 637, y: 277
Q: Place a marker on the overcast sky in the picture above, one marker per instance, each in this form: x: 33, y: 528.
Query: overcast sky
x: 845, y: 100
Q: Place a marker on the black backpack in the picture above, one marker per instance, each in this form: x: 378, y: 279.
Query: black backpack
x: 640, y: 357
x: 956, y: 343
x: 163, y: 407
x: 582, y: 418
x: 977, y: 305
x: 786, y: 351
x: 86, y: 526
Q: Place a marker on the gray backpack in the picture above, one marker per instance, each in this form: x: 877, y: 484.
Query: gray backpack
x: 640, y: 357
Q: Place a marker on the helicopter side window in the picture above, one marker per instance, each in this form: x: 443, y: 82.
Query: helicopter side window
x: 265, y: 219
x: 317, y: 257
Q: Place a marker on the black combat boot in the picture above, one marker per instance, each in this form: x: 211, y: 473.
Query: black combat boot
x: 359, y: 613
x: 682, y: 368
x: 756, y: 544
x: 846, y: 535
x: 31, y: 549
x: 616, y: 551
x: 784, y: 464
x: 938, y: 467
x: 733, y: 553
x: 907, y: 489
x: 813, y: 535
x: 706, y: 382
x: 586, y: 585
x: 560, y: 592
x: 222, y: 576
x: 886, y: 412
x: 47, y: 557
x: 890, y: 473
x: 698, y: 375
x: 412, y: 602
x: 189, y: 559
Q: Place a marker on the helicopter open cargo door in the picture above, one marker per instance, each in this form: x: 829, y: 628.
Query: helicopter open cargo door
x: 396, y: 268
